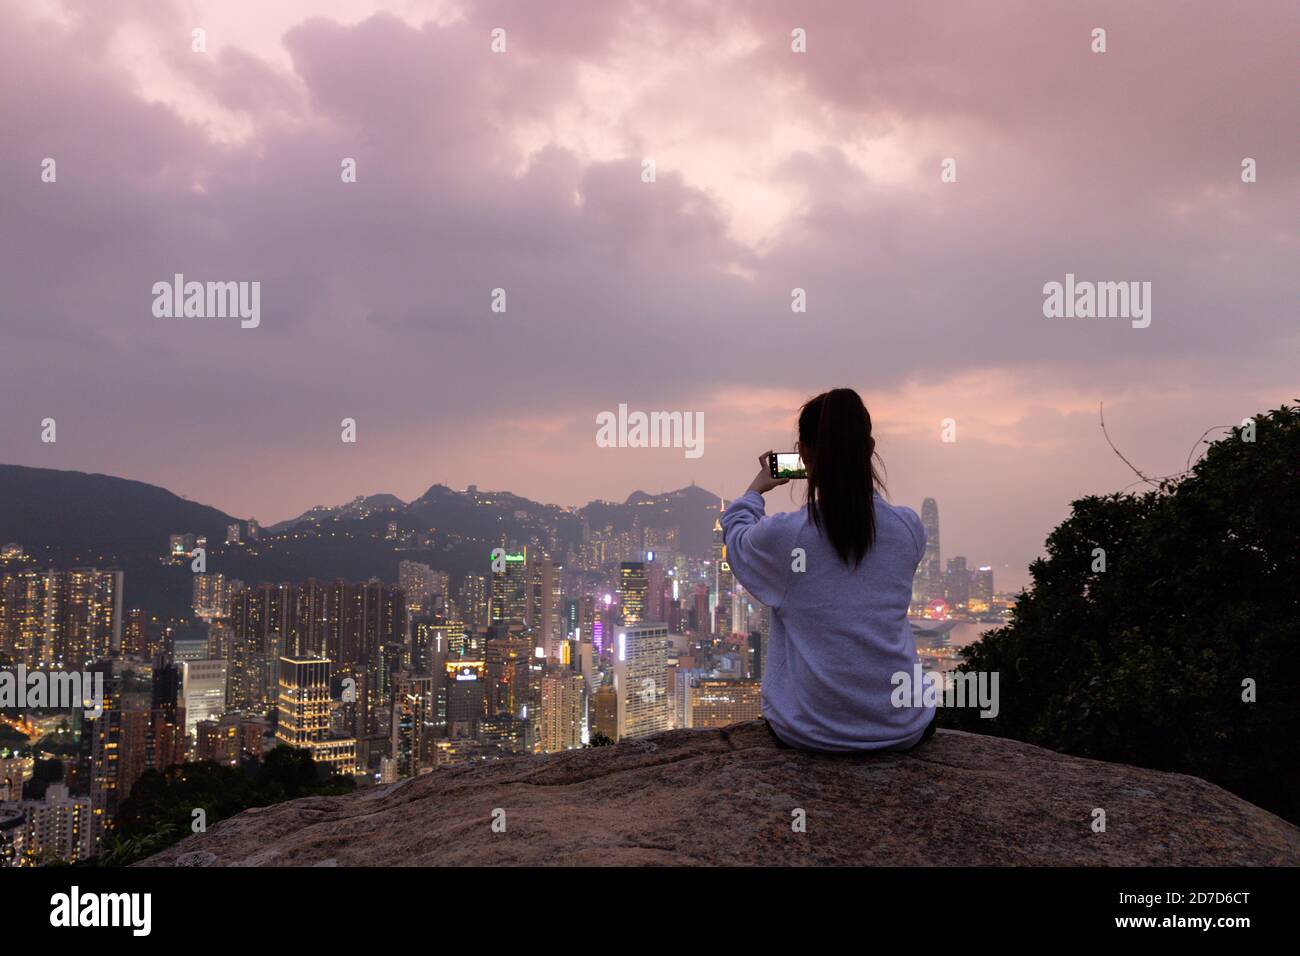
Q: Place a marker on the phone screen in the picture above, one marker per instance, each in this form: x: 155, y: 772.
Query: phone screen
x: 788, y: 464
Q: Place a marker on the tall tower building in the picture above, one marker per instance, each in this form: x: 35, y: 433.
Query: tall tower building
x: 304, y: 713
x: 957, y: 583
x: 632, y: 588
x: 933, y: 579
x: 474, y: 599
x: 561, y: 711
x: 509, y: 596
x: 418, y: 581
x: 544, y: 602
x: 981, y: 597
x: 211, y: 596
x: 604, y: 718
x: 724, y: 583
x: 106, y: 745
x: 203, y: 690
x: 414, y: 704
x: 641, y: 679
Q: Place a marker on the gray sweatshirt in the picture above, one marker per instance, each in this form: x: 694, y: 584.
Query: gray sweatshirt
x: 839, y: 634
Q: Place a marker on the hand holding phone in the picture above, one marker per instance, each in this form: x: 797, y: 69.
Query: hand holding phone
x: 766, y: 479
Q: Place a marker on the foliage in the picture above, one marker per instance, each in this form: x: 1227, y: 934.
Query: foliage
x: 1145, y: 662
x: 160, y: 808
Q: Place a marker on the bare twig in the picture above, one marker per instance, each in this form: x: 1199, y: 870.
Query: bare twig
x: 1142, y: 478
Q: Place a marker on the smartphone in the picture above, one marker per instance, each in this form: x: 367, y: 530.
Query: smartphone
x: 786, y: 464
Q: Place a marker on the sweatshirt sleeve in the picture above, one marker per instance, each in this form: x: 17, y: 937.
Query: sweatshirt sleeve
x: 758, y: 548
x: 915, y: 525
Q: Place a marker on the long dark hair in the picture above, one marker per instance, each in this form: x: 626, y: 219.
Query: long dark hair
x: 835, y: 439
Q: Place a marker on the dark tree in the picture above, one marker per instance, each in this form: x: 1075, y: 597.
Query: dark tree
x: 1147, y: 661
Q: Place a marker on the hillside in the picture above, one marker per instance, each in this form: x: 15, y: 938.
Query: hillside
x: 69, y: 518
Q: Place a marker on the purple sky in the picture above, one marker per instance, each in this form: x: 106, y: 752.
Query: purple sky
x: 522, y: 170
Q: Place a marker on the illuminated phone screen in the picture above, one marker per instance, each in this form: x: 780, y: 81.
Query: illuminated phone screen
x: 788, y: 464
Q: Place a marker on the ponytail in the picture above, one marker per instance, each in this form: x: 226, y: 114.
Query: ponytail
x: 836, y: 441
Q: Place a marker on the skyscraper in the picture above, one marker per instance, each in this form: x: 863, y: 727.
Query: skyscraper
x: 957, y: 583
x: 304, y: 713
x: 418, y: 581
x: 474, y: 599
x: 509, y: 595
x: 543, y: 603
x: 60, y: 619
x: 414, y: 704
x: 203, y: 689
x: 717, y: 703
x: 561, y: 716
x: 981, y: 596
x: 931, y: 568
x: 641, y: 679
x: 724, y: 584
x: 632, y: 586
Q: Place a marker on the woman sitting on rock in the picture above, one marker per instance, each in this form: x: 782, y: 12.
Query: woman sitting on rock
x: 837, y: 575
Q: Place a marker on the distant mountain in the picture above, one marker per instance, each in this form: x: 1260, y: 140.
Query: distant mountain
x: 68, y: 518
x: 93, y: 514
x: 359, y: 507
x: 73, y: 519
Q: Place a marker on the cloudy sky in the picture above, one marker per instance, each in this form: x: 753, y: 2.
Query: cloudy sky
x: 522, y: 170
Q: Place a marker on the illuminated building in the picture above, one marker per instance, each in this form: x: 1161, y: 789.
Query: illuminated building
x: 432, y: 644
x: 507, y: 735
x: 14, y: 771
x: 412, y: 724
x: 180, y: 547
x: 227, y: 739
x: 928, y: 585
x: 203, y: 690
x: 167, y: 716
x: 632, y: 588
x: 723, y: 581
x: 58, y: 827
x: 717, y: 703
x: 211, y: 596
x: 12, y: 837
x: 304, y: 713
x: 981, y: 597
x: 474, y: 599
x: 420, y: 582
x: 641, y: 679
x: 506, y: 660
x: 543, y: 603
x: 957, y: 584
x: 561, y: 710
x: 509, y: 597
x: 466, y: 697
x: 654, y: 576
x: 106, y: 746
x: 605, y: 711
x: 60, y: 619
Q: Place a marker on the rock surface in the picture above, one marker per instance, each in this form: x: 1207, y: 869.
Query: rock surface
x: 728, y: 797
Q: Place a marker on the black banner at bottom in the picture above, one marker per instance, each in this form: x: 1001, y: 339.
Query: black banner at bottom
x: 188, y: 906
